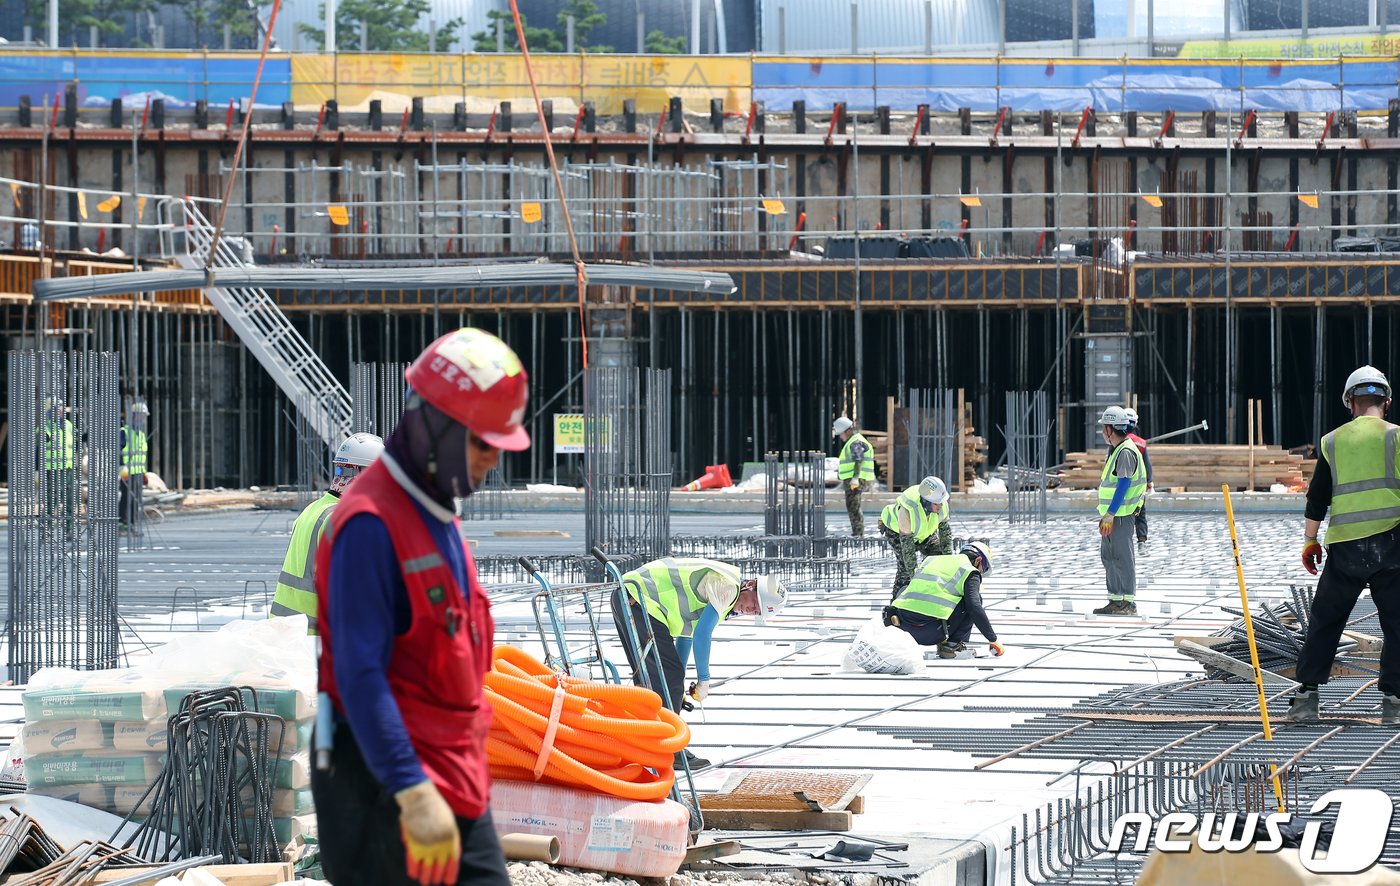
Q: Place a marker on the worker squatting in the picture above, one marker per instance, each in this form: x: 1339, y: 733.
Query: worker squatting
x: 401, y: 781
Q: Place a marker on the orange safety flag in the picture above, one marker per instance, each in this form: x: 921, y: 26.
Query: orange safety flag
x: 340, y: 216
x: 530, y: 213
x: 110, y: 204
x: 140, y: 207
x: 970, y: 201
x: 82, y: 205
x: 1152, y: 200
x: 774, y: 207
x: 1308, y: 200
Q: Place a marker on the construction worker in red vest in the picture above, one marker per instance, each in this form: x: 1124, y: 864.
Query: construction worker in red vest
x: 406, y: 634
x: 1140, y: 518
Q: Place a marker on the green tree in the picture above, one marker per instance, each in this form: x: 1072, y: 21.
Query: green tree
x: 539, y: 39
x: 660, y: 44
x: 208, y: 18
x: 586, y: 18
x: 391, y: 26
x: 77, y: 17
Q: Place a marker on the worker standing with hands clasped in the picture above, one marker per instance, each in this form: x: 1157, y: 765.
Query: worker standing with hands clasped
x: 1358, y: 479
x: 944, y: 601
x: 916, y: 522
x: 680, y: 600
x: 296, y: 584
x: 1122, y: 488
x: 406, y: 634
x: 855, y: 469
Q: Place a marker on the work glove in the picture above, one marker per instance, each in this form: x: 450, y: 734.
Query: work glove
x: 855, y: 485
x: 699, y: 691
x: 126, y: 474
x: 1312, y: 555
x: 1106, y: 525
x: 432, y: 843
x: 997, y: 649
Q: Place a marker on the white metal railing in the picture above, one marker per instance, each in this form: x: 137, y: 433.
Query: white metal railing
x: 187, y: 237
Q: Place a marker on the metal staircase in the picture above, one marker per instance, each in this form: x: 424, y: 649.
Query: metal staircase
x: 186, y: 237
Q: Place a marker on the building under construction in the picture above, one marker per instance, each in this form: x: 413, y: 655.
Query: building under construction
x: 1189, y: 262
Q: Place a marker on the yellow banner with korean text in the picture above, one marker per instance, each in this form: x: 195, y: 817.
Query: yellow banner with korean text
x: 482, y: 81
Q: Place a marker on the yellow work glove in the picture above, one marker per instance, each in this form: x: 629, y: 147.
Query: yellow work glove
x: 855, y: 484
x: 126, y: 474
x: 432, y: 843
x: 1106, y: 525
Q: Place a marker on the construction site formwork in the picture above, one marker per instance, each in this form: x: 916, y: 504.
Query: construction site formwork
x: 803, y: 337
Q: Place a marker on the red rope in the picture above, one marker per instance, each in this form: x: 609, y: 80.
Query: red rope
x: 558, y: 182
x: 242, y: 138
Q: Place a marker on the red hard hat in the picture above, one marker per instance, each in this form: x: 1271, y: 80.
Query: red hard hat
x: 477, y: 380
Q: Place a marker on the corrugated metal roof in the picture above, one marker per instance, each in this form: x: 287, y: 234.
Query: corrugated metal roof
x: 889, y: 26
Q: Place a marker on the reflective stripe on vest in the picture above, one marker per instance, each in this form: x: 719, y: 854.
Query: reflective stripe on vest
x: 1365, y: 482
x: 296, y: 584
x: 134, y: 451
x: 937, y: 587
x: 666, y: 588
x: 1108, y: 483
x: 846, y: 468
x: 922, y: 524
x: 58, y: 445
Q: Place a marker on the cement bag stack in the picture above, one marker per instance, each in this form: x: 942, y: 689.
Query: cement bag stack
x: 100, y: 738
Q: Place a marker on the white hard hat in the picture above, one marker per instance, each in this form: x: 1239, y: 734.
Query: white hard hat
x: 934, y: 490
x: 772, y: 596
x: 1116, y: 416
x: 1132, y: 415
x: 979, y: 550
x: 1368, y: 380
x: 841, y: 426
x: 360, y: 450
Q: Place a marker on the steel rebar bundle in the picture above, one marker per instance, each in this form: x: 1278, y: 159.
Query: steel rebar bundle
x: 1027, y: 455
x: 1279, y: 630
x: 627, y: 461
x: 796, y: 494
x: 933, y: 436
x: 64, y: 475
x: 376, y: 395
x: 214, y: 795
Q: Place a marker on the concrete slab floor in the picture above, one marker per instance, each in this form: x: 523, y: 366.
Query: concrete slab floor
x: 780, y: 698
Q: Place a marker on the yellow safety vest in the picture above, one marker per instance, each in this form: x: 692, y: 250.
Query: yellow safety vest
x: 667, y: 589
x: 848, y: 468
x: 57, y: 445
x: 296, y: 585
x: 134, y: 451
x: 937, y: 587
x: 1108, y: 483
x: 1365, y: 480
x: 922, y: 524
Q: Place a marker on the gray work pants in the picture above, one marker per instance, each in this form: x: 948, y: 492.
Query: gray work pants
x: 1119, y: 557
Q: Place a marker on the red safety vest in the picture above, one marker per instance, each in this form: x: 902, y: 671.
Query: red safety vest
x: 1139, y: 442
x: 437, y: 667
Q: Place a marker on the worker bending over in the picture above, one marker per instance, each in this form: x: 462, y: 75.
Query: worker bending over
x: 1122, y: 488
x: 296, y: 584
x: 1358, y: 479
x: 680, y: 600
x: 915, y: 523
x: 406, y: 634
x: 855, y: 469
x: 944, y: 600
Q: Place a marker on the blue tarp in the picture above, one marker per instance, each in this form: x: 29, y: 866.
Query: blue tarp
x: 181, y: 80
x: 1108, y: 87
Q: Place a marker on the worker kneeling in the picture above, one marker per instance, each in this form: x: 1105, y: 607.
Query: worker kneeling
x: 679, y: 600
x: 943, y: 601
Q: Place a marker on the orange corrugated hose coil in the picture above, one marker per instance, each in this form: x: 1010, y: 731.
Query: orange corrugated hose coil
x: 615, y: 740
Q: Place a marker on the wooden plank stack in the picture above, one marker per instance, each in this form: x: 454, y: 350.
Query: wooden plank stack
x: 1198, y: 468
